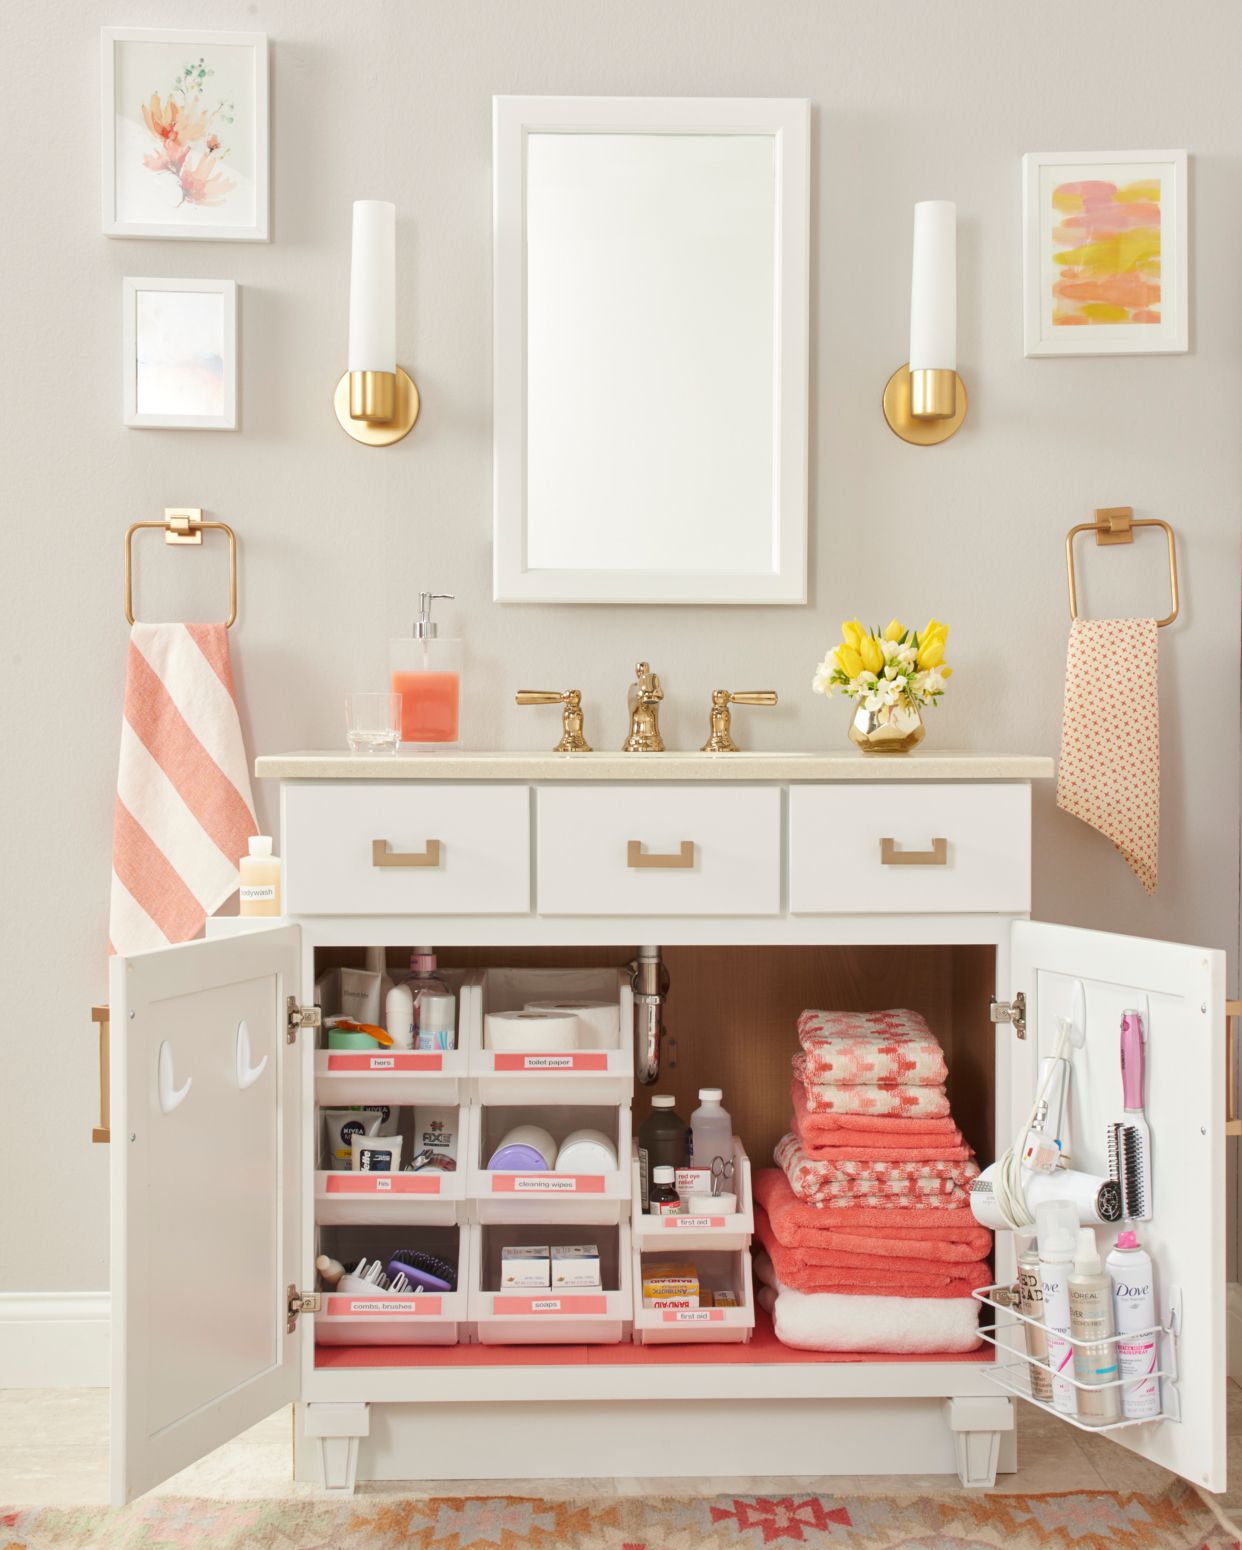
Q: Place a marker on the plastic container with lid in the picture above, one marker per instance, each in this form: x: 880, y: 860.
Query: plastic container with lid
x: 663, y: 1142
x: 711, y: 1129
x: 260, y: 878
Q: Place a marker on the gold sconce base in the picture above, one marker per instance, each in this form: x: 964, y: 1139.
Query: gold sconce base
x: 377, y: 393
x: 934, y: 424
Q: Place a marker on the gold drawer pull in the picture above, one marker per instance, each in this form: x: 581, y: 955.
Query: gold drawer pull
x: 635, y: 855
x: 938, y: 855
x: 382, y: 856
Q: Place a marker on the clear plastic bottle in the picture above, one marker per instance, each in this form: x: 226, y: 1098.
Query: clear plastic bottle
x: 711, y: 1129
x: 426, y: 673
x: 1091, y: 1318
x: 423, y: 979
x: 260, y: 878
x: 663, y: 1141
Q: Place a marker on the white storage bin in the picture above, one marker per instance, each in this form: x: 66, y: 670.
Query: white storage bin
x: 679, y: 1326
x: 522, y: 1316
x: 548, y: 1196
x: 345, y: 1077
x: 430, y: 1197
x: 689, y: 1231
x: 584, y: 1075
x: 388, y: 1318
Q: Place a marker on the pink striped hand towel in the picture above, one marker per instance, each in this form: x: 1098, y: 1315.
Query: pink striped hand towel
x: 183, y: 805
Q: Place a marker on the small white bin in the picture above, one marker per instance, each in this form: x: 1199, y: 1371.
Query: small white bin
x: 522, y: 1316
x: 387, y: 1318
x: 692, y: 1326
x: 586, y: 1075
x: 394, y: 1076
x: 687, y: 1230
x: 548, y: 1196
x: 429, y: 1197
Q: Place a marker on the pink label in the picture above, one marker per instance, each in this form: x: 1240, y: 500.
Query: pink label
x: 583, y: 1060
x: 537, y: 1305
x: 547, y: 1184
x: 385, y: 1307
x: 693, y: 1221
x: 383, y: 1183
x: 414, y: 1061
x: 693, y: 1315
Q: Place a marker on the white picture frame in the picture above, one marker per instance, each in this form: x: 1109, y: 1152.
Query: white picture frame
x: 171, y: 379
x: 184, y: 155
x: 1083, y: 315
x: 779, y: 573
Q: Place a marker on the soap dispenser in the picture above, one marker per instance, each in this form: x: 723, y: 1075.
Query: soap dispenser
x: 426, y: 673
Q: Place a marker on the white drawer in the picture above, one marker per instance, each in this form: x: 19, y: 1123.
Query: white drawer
x: 659, y: 850
x: 404, y: 848
x: 903, y: 848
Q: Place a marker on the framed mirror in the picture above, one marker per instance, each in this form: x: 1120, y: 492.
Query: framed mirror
x: 651, y: 346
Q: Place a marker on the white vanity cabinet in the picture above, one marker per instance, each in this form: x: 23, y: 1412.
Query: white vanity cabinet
x: 217, y: 1205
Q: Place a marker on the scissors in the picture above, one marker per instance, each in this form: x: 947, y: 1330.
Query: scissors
x: 722, y: 1173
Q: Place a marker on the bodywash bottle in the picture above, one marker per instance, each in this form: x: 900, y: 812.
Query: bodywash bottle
x: 260, y: 878
x: 426, y: 673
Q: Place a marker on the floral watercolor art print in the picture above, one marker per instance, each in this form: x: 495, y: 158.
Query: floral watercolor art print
x: 1106, y: 260
x: 185, y: 134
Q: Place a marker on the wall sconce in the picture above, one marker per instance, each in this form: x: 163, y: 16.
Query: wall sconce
x: 376, y: 402
x: 925, y: 401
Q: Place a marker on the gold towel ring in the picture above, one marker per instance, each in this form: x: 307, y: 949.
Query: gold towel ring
x: 181, y: 525
x: 1115, y: 525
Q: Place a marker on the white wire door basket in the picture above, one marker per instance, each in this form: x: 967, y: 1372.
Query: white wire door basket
x: 1014, y: 1372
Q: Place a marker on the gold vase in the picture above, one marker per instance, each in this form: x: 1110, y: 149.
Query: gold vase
x: 894, y: 729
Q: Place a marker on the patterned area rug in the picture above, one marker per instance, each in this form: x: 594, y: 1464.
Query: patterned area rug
x: 1077, y: 1520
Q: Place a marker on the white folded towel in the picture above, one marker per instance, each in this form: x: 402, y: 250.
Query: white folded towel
x: 824, y: 1321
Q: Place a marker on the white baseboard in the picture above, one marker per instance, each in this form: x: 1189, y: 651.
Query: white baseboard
x: 1233, y: 1330
x: 53, y: 1340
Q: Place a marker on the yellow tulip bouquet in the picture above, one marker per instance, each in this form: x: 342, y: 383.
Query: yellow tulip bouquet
x: 887, y: 669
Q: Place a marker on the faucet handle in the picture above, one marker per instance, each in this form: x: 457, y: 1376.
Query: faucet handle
x: 720, y: 739
x: 572, y: 739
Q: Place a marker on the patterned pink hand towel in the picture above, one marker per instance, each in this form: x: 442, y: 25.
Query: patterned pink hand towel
x: 1109, y: 774
x: 933, y: 1185
x: 183, y: 806
x: 869, y: 1049
x: 913, y: 1102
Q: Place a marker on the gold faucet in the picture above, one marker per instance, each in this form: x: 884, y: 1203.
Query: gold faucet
x: 644, y: 702
x: 721, y: 738
x: 573, y: 737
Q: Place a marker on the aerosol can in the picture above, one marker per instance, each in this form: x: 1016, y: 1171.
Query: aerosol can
x: 1134, y: 1308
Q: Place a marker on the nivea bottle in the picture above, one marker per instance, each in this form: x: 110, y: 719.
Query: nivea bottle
x: 1134, y: 1308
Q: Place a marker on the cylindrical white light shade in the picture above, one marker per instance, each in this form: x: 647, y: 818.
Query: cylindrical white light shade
x: 933, y: 289
x: 373, y: 287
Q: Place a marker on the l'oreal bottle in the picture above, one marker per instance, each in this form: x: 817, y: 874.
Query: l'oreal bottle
x: 1091, y: 1319
x: 426, y: 673
x: 1056, y: 1223
x: 1134, y: 1308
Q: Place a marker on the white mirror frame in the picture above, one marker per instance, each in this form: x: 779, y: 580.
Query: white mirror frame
x: 788, y: 120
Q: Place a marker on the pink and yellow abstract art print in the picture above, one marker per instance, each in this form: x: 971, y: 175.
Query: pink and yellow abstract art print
x: 1105, y: 262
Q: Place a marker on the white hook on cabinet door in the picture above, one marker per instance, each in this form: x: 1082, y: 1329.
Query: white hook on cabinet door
x: 247, y: 1075
x: 171, y: 1096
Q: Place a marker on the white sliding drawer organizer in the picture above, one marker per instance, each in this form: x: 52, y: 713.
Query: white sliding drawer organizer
x: 220, y: 1082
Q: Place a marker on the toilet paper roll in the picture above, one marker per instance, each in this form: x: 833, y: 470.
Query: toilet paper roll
x: 527, y: 1031
x: 601, y: 1020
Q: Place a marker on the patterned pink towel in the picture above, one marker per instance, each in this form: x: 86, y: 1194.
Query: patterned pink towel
x: 913, y: 1102
x: 870, y: 1049
x: 935, y: 1185
x: 183, y: 805
x: 1109, y: 774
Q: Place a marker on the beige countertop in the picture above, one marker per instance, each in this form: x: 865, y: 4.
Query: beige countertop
x: 463, y: 764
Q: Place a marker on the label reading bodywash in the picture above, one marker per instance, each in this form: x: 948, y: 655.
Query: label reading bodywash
x: 257, y: 893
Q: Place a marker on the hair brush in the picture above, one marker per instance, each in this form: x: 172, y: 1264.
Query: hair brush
x: 425, y: 1272
x: 1129, y: 1139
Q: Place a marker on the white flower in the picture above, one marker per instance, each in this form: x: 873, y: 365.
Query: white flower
x: 822, y: 682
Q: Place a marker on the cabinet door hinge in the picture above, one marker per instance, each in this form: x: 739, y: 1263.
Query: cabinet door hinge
x: 1012, y: 1012
x: 300, y: 1017
x: 301, y: 1302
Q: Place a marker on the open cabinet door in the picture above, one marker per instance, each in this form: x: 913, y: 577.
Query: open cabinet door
x: 205, y: 1225
x: 1180, y: 992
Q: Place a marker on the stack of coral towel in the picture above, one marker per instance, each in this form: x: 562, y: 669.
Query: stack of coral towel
x: 868, y: 1241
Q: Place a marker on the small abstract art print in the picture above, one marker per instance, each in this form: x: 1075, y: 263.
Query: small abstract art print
x: 180, y: 353
x: 1105, y: 258
x: 185, y: 134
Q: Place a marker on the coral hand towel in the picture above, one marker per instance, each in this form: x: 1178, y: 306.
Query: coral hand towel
x: 1109, y: 774
x: 183, y: 805
x: 869, y: 1049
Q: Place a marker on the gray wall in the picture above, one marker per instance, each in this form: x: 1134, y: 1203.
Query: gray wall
x: 393, y: 100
